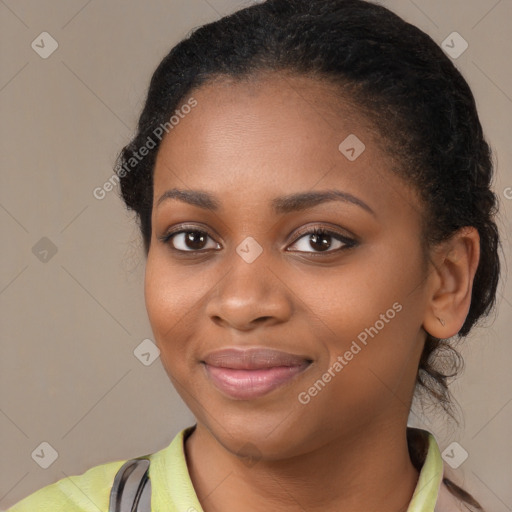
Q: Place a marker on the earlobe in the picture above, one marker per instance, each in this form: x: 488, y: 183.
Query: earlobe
x: 454, y: 267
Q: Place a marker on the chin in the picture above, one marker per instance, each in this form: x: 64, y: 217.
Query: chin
x: 262, y: 438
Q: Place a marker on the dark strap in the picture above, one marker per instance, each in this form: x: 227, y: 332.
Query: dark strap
x: 131, y: 490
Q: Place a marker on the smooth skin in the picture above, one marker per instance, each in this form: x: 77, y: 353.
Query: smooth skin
x: 247, y: 143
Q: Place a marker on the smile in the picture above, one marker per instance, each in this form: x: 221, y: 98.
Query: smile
x: 242, y: 384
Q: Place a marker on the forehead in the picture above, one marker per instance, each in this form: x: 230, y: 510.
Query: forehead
x: 273, y: 134
x: 281, y: 111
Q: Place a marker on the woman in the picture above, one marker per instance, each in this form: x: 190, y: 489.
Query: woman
x: 313, y: 191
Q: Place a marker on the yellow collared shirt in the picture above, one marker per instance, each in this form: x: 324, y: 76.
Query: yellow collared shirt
x: 172, y: 489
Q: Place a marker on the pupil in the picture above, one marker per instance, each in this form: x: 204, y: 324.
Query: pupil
x: 195, y: 239
x: 324, y: 245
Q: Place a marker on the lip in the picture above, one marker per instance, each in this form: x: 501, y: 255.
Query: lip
x: 246, y: 374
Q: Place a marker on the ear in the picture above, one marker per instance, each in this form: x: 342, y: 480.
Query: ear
x: 451, y: 282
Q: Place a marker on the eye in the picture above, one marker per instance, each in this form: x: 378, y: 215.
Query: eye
x: 323, y: 240
x: 189, y: 240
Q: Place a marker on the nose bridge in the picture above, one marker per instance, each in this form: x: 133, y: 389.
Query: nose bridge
x: 249, y: 289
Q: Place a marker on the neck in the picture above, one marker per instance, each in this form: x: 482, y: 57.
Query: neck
x: 369, y: 470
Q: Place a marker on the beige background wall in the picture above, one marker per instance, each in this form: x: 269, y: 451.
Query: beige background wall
x: 70, y: 324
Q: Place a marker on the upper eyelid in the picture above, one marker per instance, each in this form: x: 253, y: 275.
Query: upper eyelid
x: 301, y: 232
x: 181, y: 228
x: 327, y: 229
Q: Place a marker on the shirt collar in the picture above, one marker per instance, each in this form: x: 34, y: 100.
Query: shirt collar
x: 431, y: 476
x: 172, y: 489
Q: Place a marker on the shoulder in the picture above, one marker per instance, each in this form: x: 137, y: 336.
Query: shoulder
x: 87, y: 492
x: 90, y: 491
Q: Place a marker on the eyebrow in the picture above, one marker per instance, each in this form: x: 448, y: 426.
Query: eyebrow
x: 281, y: 205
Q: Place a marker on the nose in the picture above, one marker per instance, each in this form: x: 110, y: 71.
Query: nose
x: 249, y: 295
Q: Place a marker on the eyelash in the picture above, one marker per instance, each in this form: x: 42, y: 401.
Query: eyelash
x: 319, y: 231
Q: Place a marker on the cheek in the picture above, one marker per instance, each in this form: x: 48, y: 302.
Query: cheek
x: 377, y: 309
x: 169, y: 292
x: 165, y: 309
x: 174, y: 300
x: 371, y: 295
x: 166, y: 301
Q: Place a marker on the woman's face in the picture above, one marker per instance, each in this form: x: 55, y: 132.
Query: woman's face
x: 249, y: 275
